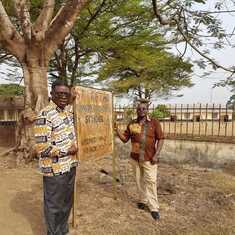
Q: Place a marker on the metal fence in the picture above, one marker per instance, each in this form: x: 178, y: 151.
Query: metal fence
x: 201, y: 122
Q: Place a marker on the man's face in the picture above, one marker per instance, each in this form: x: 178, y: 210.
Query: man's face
x: 142, y: 110
x: 60, y: 96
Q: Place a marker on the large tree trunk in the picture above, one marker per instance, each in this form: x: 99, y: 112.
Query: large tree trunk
x: 36, y: 97
x: 33, y: 44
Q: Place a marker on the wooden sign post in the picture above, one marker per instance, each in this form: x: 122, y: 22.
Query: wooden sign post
x: 93, y: 112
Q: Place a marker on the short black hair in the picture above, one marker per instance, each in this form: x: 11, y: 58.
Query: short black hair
x: 143, y: 101
x: 59, y: 82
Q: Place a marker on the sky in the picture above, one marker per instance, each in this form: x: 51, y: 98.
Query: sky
x: 202, y: 91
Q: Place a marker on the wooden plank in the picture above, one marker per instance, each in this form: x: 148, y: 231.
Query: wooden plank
x: 75, y: 200
x: 93, y: 121
x: 93, y: 109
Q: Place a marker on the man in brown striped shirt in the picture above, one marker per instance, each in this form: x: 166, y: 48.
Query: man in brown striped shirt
x: 147, y: 140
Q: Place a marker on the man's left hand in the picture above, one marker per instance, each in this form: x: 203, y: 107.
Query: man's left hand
x: 155, y: 160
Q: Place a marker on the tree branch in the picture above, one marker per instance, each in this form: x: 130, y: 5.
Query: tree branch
x: 60, y: 61
x: 93, y: 16
x: 5, y: 57
x: 216, y: 65
x: 9, y: 37
x: 178, y: 19
x: 41, y: 25
x: 62, y: 24
x: 200, y: 13
x: 157, y: 13
x: 76, y: 62
x: 22, y: 13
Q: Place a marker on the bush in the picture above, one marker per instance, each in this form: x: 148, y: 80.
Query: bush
x: 160, y: 111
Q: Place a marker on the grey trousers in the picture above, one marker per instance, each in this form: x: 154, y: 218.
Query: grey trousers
x: 58, y: 201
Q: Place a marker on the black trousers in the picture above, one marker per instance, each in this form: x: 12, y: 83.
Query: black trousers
x: 58, y: 201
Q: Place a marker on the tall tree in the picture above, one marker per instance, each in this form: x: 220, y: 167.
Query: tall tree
x: 145, y: 71
x: 187, y: 21
x: 103, y: 24
x: 99, y: 28
x: 33, y: 40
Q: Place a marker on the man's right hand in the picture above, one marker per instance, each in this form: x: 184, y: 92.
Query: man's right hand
x: 72, y: 149
x: 154, y: 161
x: 115, y: 126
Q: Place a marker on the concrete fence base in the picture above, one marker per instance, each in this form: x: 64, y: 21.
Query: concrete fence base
x: 205, y: 154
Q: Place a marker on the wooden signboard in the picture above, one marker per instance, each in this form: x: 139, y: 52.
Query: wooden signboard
x: 93, y: 113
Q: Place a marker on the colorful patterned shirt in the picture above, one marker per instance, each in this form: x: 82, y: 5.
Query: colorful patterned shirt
x: 54, y: 134
x: 143, y: 138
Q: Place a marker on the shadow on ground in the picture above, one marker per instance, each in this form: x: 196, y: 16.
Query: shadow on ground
x: 29, y: 205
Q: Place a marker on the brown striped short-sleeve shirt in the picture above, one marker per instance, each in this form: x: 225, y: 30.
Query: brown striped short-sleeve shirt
x: 135, y: 132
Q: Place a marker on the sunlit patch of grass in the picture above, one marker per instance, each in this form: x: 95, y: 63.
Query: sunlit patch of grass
x: 212, y: 229
x: 223, y: 182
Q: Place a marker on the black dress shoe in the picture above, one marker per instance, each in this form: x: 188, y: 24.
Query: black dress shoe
x: 141, y: 205
x: 155, y: 215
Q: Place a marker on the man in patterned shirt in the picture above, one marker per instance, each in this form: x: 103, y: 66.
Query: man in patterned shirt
x: 56, y: 148
x: 147, y: 140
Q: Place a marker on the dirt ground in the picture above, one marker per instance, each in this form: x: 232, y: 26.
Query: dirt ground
x: 194, y: 201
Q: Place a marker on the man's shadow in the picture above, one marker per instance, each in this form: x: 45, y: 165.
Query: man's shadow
x: 30, y: 205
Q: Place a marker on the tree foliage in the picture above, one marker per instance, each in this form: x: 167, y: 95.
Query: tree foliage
x: 231, y: 102
x: 199, y: 24
x: 11, y: 90
x: 160, y: 111
x: 111, y: 33
x: 105, y: 26
x: 145, y: 72
x: 101, y: 28
x: 103, y: 22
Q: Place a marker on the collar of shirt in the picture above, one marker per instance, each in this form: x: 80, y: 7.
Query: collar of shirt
x: 148, y: 119
x: 58, y: 109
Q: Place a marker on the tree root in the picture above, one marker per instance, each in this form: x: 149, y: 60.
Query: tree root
x: 7, y: 152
